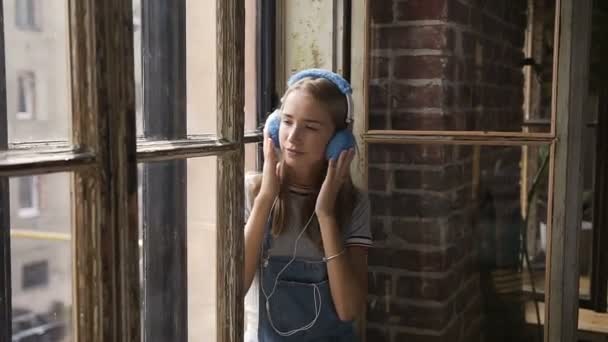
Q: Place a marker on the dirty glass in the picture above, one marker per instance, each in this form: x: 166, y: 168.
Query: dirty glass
x: 460, y: 242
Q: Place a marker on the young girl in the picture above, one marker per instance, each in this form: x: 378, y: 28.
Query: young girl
x: 307, y: 227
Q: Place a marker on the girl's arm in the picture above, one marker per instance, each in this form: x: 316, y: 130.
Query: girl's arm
x: 254, y: 234
x: 262, y: 205
x: 347, y: 272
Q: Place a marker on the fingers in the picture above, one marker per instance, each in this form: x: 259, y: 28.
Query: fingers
x: 343, y: 167
x: 269, y: 150
x: 331, y: 169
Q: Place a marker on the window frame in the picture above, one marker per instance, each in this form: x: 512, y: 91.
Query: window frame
x: 105, y: 153
x: 103, y: 158
x: 571, y: 42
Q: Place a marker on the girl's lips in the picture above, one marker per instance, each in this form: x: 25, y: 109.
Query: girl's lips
x: 292, y: 152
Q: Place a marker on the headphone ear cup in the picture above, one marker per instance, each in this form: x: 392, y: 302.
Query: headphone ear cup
x: 341, y: 141
x: 273, y: 122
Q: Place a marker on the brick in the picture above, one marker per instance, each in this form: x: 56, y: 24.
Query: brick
x: 467, y: 294
x: 378, y: 229
x: 428, y: 154
x: 381, y: 11
x: 436, y: 180
x: 425, y: 337
x: 476, y: 16
x: 415, y: 260
x: 377, y: 334
x: 378, y: 179
x: 420, y: 121
x: 458, y: 12
x: 378, y: 119
x: 419, y: 232
x: 515, y: 37
x: 411, y: 37
x: 376, y: 154
x: 380, y: 283
x: 490, y: 27
x: 410, y: 205
x: 421, y: 10
x: 407, y: 96
x: 379, y: 67
x: 429, y: 288
x: 378, y: 97
x: 416, y: 67
x: 395, y: 313
x: 468, y: 43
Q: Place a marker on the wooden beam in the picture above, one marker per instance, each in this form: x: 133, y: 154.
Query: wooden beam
x: 474, y: 134
x: 359, y: 57
x: 572, y: 84
x: 359, y: 76
x: 470, y: 138
x: 105, y: 243
x: 45, y: 160
x: 230, y: 21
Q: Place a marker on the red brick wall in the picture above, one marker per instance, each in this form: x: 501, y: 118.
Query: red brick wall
x: 437, y: 65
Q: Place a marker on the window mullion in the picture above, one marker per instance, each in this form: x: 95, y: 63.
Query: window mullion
x: 230, y: 21
x: 164, y: 183
x: 105, y: 243
x: 5, y: 251
x: 561, y: 298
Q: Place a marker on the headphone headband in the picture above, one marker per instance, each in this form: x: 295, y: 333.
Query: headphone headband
x: 334, y: 78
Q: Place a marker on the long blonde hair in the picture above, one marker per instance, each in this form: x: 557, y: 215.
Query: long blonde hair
x: 335, y: 103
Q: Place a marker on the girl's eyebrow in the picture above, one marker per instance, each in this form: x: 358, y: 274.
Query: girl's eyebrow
x: 305, y: 120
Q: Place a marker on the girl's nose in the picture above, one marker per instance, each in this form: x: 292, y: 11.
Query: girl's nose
x: 294, y: 135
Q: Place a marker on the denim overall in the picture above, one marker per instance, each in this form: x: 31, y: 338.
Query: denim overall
x: 301, y: 292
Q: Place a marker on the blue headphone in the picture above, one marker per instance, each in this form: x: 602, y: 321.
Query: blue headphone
x: 342, y: 139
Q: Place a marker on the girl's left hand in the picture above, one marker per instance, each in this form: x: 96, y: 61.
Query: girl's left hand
x: 337, y: 174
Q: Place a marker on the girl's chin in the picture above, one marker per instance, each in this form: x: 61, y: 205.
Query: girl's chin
x: 299, y: 162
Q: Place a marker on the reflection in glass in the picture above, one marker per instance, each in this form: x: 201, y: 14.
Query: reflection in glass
x: 179, y: 196
x: 454, y: 228
x: 37, y: 70
x: 451, y: 66
x: 41, y: 258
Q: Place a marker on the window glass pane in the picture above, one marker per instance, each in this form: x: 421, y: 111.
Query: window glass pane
x: 201, y: 246
x: 41, y: 258
x: 251, y: 72
x: 37, y: 76
x: 589, y: 161
x: 458, y: 66
x: 251, y: 157
x: 449, y: 226
x: 187, y: 208
x: 200, y: 67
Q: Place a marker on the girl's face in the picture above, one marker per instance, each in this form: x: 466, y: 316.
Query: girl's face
x: 306, y: 127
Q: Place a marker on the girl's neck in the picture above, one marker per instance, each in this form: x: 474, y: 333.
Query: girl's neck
x: 308, y: 179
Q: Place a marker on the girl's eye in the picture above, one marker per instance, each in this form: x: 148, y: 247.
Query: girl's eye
x: 312, y: 128
x: 287, y: 122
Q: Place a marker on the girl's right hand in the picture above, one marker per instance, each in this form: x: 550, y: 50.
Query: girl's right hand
x: 270, y: 172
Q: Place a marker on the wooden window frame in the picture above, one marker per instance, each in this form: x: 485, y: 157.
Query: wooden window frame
x: 572, y: 42
x: 103, y: 158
